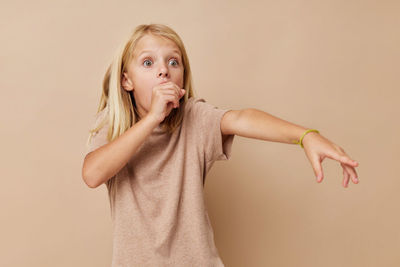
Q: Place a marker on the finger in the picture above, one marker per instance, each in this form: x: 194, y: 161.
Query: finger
x: 177, y: 89
x: 171, y: 87
x: 316, y: 164
x: 352, y: 172
x: 171, y: 94
x: 346, y: 178
x: 171, y: 98
x: 342, y: 158
x: 183, y: 91
x: 180, y: 91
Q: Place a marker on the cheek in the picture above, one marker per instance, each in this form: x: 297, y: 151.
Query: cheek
x: 143, y: 92
x: 146, y: 95
x: 143, y: 86
x: 149, y: 94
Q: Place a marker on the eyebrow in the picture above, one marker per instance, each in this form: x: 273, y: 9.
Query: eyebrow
x: 145, y: 51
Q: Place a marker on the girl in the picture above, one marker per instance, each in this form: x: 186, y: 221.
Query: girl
x: 153, y: 143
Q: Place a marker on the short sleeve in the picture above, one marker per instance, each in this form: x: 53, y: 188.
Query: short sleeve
x: 208, y: 118
x: 98, y: 138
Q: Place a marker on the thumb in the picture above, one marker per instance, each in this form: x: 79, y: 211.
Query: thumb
x: 316, y: 164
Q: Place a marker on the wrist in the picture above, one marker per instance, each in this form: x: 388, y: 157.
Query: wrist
x: 152, y: 119
x: 309, y: 136
x: 309, y: 132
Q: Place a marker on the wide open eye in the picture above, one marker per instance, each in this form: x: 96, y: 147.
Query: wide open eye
x: 176, y: 62
x: 144, y: 62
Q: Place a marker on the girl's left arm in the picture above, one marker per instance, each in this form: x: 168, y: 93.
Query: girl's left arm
x: 257, y: 124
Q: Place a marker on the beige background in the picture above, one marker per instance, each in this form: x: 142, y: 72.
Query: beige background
x: 330, y: 65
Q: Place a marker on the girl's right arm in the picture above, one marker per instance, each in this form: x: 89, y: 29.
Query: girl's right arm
x: 103, y: 163
x: 106, y: 161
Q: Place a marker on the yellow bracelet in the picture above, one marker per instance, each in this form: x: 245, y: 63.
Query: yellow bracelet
x: 300, y: 142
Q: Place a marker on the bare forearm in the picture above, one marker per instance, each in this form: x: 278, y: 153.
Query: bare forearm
x: 103, y: 163
x: 254, y: 123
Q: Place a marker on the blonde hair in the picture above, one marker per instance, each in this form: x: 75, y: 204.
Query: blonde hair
x: 121, y: 112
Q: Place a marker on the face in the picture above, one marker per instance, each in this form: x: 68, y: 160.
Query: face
x: 156, y: 60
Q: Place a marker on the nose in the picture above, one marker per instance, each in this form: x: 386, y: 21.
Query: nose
x: 163, y: 72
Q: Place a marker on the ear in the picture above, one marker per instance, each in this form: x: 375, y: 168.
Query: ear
x: 126, y: 82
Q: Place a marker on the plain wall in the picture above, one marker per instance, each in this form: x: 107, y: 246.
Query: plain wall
x: 330, y: 65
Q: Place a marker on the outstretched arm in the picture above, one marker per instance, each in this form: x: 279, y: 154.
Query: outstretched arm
x: 254, y: 123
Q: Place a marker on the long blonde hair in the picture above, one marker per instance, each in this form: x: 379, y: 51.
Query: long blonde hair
x: 121, y: 108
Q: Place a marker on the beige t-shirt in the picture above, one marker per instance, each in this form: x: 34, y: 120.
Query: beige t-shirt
x: 157, y: 205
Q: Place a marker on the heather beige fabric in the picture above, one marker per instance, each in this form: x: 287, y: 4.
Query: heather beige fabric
x: 158, y: 212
